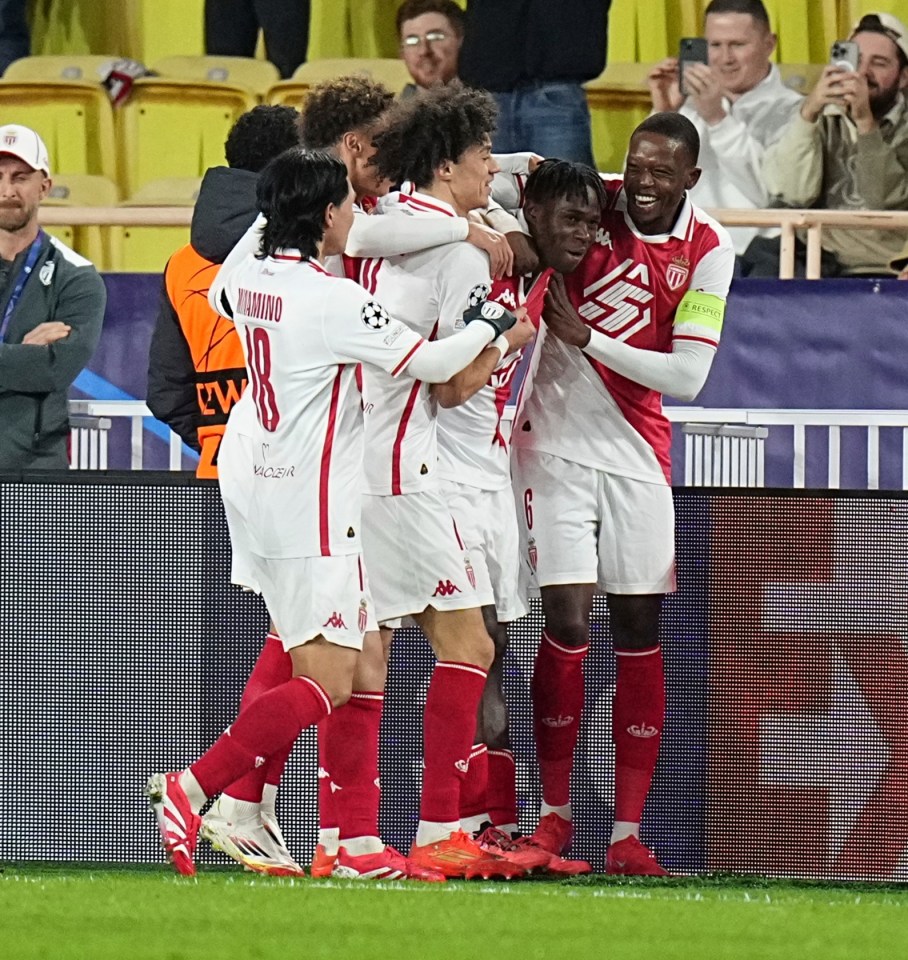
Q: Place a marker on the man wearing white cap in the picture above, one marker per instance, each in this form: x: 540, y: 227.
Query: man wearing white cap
x: 51, y: 310
x: 847, y: 148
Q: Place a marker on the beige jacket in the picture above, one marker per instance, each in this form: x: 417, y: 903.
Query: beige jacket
x: 828, y: 165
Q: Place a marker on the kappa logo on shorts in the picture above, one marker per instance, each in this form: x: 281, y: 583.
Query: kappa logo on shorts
x: 336, y: 621
x: 446, y: 589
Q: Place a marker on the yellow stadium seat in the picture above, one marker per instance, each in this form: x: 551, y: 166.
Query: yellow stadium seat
x: 162, y: 28
x: 392, y: 73
x: 352, y: 28
x: 82, y: 190
x: 618, y: 100
x: 255, y: 75
x: 74, y: 119
x: 638, y: 31
x: 147, y: 249
x: 87, y: 67
x: 175, y: 128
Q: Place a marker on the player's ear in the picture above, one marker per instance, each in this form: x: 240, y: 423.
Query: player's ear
x: 693, y: 178
x: 330, y: 212
x: 444, y: 170
x: 352, y: 142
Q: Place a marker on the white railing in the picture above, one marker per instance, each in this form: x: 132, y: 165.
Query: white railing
x: 789, y: 222
x: 723, y: 446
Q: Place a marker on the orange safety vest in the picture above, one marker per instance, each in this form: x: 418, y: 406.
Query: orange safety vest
x: 215, y: 348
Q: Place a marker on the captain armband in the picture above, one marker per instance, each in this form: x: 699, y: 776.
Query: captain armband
x: 702, y: 309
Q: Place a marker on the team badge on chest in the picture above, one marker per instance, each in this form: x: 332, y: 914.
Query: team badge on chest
x: 677, y: 272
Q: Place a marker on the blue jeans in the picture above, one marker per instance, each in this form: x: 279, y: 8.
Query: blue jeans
x: 551, y: 119
x: 14, y: 39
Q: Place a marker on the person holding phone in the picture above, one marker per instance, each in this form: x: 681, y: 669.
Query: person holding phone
x: 735, y: 98
x: 847, y: 147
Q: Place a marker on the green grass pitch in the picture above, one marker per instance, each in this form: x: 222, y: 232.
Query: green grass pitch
x: 65, y: 912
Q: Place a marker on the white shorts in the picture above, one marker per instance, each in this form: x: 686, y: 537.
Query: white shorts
x: 309, y: 597
x: 416, y: 556
x: 235, y: 479
x: 580, y: 525
x: 487, y: 523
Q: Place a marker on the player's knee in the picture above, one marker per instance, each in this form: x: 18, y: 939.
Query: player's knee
x: 568, y: 631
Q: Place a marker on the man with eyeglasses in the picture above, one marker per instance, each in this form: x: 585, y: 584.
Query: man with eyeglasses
x: 430, y: 34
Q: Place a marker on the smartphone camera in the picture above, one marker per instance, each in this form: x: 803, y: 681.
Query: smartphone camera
x: 691, y: 50
x: 845, y: 55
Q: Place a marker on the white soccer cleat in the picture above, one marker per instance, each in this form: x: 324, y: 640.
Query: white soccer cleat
x: 250, y: 842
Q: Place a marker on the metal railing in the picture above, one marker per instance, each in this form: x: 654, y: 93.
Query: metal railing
x: 104, y: 412
x: 788, y: 221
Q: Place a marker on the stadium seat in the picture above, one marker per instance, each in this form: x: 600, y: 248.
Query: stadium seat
x: 639, y: 31
x: 147, y: 249
x: 175, y: 128
x: 392, y: 73
x: 618, y: 100
x: 87, y: 67
x: 162, y: 28
x: 75, y: 120
x: 95, y: 242
x: 255, y: 75
x: 352, y: 28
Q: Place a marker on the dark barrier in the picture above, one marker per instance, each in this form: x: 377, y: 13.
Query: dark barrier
x: 786, y: 741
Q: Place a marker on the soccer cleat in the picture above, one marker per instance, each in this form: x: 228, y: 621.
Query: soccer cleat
x: 178, y: 824
x: 630, y: 858
x: 387, y: 865
x: 458, y: 854
x: 322, y: 862
x: 553, y: 833
x: 271, y: 827
x: 250, y: 843
x: 499, y: 844
x: 555, y: 863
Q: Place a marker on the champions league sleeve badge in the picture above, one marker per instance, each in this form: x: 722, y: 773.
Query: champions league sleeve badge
x: 374, y: 315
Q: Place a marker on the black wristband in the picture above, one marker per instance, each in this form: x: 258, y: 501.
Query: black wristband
x: 494, y: 314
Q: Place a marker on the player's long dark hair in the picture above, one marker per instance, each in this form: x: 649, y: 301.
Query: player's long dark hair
x: 294, y: 192
x: 554, y: 179
x: 436, y: 125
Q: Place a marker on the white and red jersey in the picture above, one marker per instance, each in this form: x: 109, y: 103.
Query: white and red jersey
x: 304, y: 333
x: 628, y: 287
x: 429, y: 291
x: 472, y: 445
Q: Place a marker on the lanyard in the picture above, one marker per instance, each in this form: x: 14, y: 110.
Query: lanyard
x: 24, y: 274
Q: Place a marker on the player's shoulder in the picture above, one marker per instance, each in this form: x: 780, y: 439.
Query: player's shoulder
x: 708, y: 231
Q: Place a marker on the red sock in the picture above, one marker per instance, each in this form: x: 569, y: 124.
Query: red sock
x: 327, y: 812
x: 348, y: 745
x: 272, y: 668
x: 501, y: 792
x: 638, y: 714
x: 475, y: 783
x: 449, y: 724
x: 268, y: 724
x: 557, y: 691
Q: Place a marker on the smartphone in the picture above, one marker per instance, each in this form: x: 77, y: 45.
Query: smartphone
x: 691, y: 50
x: 845, y: 54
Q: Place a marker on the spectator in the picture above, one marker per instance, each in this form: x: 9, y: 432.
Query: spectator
x: 847, y: 148
x: 430, y: 33
x: 900, y: 263
x: 534, y: 64
x: 52, y: 303
x: 14, y: 36
x: 232, y: 30
x: 738, y: 104
x: 196, y: 370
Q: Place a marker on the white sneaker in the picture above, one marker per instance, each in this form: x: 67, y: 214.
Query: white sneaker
x: 250, y: 843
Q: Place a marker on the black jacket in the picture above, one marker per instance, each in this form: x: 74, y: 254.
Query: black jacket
x: 35, y: 380
x: 515, y: 43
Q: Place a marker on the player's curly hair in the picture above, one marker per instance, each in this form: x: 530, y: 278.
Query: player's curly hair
x: 675, y: 127
x: 294, y: 192
x: 259, y: 135
x: 337, y: 106
x: 554, y: 179
x: 434, y: 126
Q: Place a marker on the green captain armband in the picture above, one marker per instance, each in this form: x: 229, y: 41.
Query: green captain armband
x: 702, y: 309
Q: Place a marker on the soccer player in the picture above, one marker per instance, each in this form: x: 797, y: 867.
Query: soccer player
x: 304, y: 334
x: 562, y: 206
x: 438, y: 144
x: 641, y: 316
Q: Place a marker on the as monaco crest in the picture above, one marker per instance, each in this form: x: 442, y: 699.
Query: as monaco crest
x: 363, y: 616
x: 677, y: 272
x: 532, y: 553
x: 471, y: 576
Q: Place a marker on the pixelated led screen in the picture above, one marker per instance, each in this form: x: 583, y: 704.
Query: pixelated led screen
x: 785, y: 750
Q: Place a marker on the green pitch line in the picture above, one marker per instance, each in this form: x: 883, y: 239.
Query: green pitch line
x: 104, y: 913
